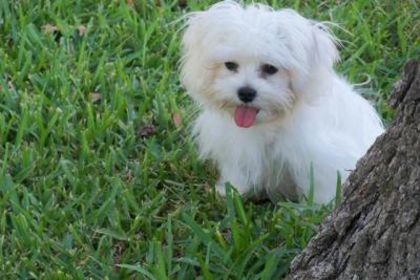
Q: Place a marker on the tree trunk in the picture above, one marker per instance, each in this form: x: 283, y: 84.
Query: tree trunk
x: 375, y: 232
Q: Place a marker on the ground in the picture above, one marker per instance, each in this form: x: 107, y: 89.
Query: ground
x: 99, y: 177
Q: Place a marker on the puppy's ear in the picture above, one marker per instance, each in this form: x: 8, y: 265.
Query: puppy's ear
x: 193, y: 30
x: 193, y: 70
x: 307, y: 48
x: 324, y: 43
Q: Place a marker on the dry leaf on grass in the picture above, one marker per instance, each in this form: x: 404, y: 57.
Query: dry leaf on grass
x: 129, y: 176
x: 95, y: 97
x: 82, y: 30
x: 177, y: 119
x: 146, y: 131
x: 49, y: 28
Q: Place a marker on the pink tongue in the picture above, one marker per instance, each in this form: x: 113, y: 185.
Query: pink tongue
x: 245, y: 116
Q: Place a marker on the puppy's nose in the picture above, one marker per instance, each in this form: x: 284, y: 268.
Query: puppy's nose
x: 247, y: 94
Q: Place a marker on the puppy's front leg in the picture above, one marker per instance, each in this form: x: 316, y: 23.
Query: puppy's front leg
x: 236, y: 178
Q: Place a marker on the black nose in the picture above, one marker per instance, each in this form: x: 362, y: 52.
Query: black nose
x: 247, y: 94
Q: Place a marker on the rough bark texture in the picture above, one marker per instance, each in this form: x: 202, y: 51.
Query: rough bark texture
x: 375, y: 232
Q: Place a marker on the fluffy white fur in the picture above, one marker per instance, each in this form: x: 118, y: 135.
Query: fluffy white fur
x: 308, y: 115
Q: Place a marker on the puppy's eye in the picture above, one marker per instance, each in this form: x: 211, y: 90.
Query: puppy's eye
x: 231, y: 66
x: 269, y: 69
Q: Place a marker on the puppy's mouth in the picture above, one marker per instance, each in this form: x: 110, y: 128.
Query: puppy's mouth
x: 245, y: 116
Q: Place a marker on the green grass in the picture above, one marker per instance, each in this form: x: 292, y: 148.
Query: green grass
x: 86, y: 191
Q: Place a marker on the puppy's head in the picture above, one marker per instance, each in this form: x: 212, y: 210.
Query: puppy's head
x: 252, y: 62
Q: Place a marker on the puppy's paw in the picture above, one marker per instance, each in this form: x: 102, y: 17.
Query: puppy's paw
x: 221, y: 189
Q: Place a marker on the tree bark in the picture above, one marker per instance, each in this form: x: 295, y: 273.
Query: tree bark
x: 375, y: 232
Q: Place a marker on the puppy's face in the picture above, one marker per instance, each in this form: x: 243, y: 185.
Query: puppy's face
x: 252, y: 63
x: 249, y: 86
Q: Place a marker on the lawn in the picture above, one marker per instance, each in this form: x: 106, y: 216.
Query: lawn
x: 99, y: 177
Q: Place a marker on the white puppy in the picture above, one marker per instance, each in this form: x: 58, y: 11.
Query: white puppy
x: 273, y: 111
